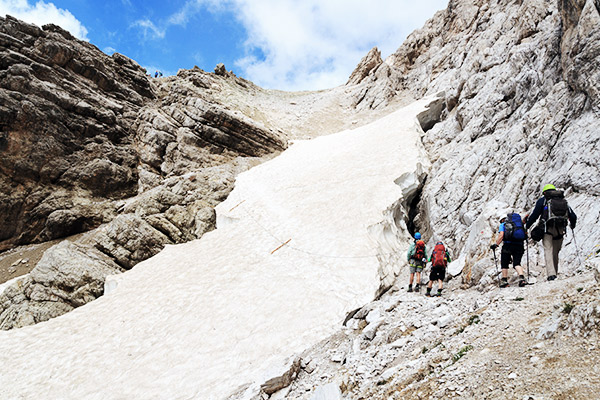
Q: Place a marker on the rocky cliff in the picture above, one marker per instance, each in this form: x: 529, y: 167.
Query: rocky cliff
x: 521, y: 109
x: 90, y: 144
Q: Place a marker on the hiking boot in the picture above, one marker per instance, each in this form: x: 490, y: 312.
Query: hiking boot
x: 522, y: 283
x: 504, y: 283
x: 552, y: 277
x: 428, y: 294
x: 417, y: 288
x: 409, y: 288
x: 438, y: 294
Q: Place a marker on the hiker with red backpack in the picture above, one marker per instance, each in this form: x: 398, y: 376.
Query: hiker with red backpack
x: 417, y: 257
x: 555, y: 214
x: 440, y: 257
x: 512, y: 236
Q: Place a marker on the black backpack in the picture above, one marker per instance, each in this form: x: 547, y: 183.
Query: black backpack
x: 556, y: 211
x: 514, y: 231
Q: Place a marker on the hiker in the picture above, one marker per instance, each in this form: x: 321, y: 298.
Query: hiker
x: 512, y: 235
x: 439, y: 261
x: 555, y: 214
x: 417, y: 257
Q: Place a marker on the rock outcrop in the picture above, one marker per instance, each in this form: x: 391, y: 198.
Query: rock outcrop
x: 65, y: 132
x: 68, y: 276
x: 80, y: 129
x: 90, y: 144
x: 521, y: 110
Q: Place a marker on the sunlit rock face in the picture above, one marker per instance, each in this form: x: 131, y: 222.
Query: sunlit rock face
x: 522, y: 109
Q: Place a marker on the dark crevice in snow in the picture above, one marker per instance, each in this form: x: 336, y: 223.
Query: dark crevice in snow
x: 413, y: 210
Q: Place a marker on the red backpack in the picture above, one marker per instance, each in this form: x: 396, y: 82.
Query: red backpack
x: 419, y: 250
x: 438, y: 257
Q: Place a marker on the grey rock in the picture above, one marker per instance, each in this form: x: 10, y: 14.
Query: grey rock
x: 365, y: 66
x: 584, y: 319
x: 128, y: 240
x: 279, y: 382
x: 68, y: 275
x: 549, y: 328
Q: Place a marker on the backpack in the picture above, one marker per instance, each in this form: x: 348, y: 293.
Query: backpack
x: 514, y: 231
x: 556, y: 211
x: 438, y: 257
x: 419, y: 250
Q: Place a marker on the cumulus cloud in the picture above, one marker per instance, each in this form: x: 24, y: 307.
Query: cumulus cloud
x: 316, y: 44
x: 42, y: 13
x: 309, y: 44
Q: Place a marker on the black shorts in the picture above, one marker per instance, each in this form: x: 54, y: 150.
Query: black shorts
x: 511, y: 252
x: 437, y: 273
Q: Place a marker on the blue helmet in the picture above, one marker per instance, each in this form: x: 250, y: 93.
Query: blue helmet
x: 417, y: 236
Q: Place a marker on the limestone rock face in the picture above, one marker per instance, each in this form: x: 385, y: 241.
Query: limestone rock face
x: 189, y: 129
x: 521, y: 110
x: 68, y: 276
x: 65, y: 137
x: 366, y: 65
x: 80, y: 130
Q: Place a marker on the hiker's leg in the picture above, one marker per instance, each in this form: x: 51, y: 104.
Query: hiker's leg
x: 505, y: 260
x: 556, y: 246
x: 517, y: 257
x: 429, y: 284
x: 440, y: 284
x: 412, y: 278
x: 418, y: 273
x: 519, y: 270
x: 549, y: 254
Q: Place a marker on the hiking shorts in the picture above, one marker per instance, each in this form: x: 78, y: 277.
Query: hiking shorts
x: 511, y: 252
x: 437, y: 273
x: 416, y: 265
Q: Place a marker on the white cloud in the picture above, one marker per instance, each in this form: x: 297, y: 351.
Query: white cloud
x: 43, y: 13
x: 316, y: 44
x: 149, y: 29
x: 109, y: 50
x: 308, y: 44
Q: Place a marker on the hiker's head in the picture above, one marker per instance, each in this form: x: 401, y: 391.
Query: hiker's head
x: 548, y: 187
x: 417, y: 236
x: 502, y: 219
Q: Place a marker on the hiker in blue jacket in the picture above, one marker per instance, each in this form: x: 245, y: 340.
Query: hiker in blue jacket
x: 555, y: 214
x: 512, y: 247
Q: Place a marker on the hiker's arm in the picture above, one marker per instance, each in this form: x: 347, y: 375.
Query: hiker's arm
x: 499, y: 238
x: 535, y: 214
x: 411, y: 251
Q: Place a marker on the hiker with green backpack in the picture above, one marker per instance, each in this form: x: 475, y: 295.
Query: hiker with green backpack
x: 512, y: 235
x: 555, y: 215
x: 417, y: 257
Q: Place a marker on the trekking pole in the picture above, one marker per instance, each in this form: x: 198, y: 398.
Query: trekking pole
x: 527, y: 247
x: 576, y: 248
x: 496, y: 262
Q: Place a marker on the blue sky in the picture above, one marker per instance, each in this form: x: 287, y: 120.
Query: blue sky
x: 278, y: 44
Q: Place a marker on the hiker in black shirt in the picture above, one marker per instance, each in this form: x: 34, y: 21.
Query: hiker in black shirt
x: 554, y: 214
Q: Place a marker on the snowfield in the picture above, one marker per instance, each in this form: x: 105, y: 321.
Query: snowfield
x: 202, y: 319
